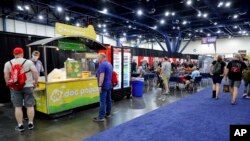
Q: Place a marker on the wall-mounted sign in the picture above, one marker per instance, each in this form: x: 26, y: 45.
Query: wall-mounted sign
x: 208, y: 40
x: 69, y: 30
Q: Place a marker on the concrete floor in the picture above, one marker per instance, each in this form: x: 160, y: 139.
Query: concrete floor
x: 79, y: 125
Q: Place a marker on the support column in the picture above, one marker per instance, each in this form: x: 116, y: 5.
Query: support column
x: 178, y: 44
x: 118, y: 43
x: 187, y: 44
x: 4, y: 23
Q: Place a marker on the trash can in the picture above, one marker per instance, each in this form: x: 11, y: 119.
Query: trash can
x: 137, y: 87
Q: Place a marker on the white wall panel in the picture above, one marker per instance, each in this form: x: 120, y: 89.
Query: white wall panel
x: 10, y: 25
x: 40, y: 30
x: 20, y: 27
x: 50, y: 31
x: 108, y: 40
x: 31, y: 28
x: 1, y: 24
x: 224, y: 46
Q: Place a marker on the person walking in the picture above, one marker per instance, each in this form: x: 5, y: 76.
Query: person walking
x: 217, y: 73
x: 165, y: 74
x: 104, y: 77
x: 234, y: 74
x: 25, y: 95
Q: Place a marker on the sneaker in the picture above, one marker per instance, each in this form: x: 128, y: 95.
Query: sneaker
x: 108, y: 116
x: 19, y: 128
x: 30, y: 126
x: 98, y: 119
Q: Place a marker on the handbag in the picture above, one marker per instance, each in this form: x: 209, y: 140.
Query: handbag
x: 226, y: 88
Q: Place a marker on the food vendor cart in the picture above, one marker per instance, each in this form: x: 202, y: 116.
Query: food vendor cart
x: 56, y: 94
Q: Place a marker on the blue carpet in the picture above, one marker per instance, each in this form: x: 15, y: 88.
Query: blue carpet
x: 194, y: 118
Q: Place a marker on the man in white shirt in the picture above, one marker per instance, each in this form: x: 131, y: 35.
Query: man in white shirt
x: 25, y: 95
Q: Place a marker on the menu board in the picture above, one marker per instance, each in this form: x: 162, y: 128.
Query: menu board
x: 117, y: 65
x: 126, y: 68
x: 73, y: 68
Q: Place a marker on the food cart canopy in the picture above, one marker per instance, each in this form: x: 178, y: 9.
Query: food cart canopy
x: 90, y: 43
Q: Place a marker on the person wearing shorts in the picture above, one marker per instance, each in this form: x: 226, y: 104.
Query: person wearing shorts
x: 234, y: 73
x: 25, y: 95
x: 165, y: 74
x: 217, y: 77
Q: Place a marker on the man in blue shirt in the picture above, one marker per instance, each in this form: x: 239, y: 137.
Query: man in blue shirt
x: 104, y: 77
x: 37, y: 62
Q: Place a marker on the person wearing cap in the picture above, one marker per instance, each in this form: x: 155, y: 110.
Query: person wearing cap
x: 37, y: 62
x: 25, y: 95
x: 233, y: 72
x: 165, y: 74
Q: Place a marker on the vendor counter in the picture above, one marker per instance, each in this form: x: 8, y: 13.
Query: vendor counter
x: 61, y: 95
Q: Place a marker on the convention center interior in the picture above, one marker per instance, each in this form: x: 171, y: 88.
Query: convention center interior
x: 125, y: 70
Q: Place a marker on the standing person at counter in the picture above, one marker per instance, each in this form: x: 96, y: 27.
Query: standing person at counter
x: 25, y: 94
x: 104, y: 77
x: 37, y: 62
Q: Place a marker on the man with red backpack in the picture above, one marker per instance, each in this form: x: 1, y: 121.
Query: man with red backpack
x: 21, y: 77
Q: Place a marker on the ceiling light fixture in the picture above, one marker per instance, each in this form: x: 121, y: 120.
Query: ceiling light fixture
x: 184, y: 22
x: 235, y: 16
x: 59, y: 9
x: 139, y: 12
x: 199, y: 14
x: 67, y: 18
x: 104, y: 11
x: 189, y: 34
x: 205, y: 15
x: 178, y: 28
x: 220, y: 4
x: 228, y: 4
x: 189, y: 2
x: 129, y: 26
x: 235, y: 27
x: 162, y: 21
x: 40, y: 17
x: 208, y: 34
x: 215, y: 23
x: 173, y: 13
x: 99, y: 25
x: 104, y: 30
x: 167, y: 13
x: 218, y: 31
x: 104, y: 25
x: 124, y: 34
x: 174, y: 27
x: 155, y: 27
x: 19, y: 7
x: 77, y: 24
x: 27, y: 7
x: 201, y: 30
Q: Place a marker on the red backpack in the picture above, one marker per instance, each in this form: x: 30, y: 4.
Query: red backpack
x: 114, y: 78
x: 17, y: 76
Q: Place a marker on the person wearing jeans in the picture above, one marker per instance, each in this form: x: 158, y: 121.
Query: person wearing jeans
x: 247, y: 90
x: 104, y: 77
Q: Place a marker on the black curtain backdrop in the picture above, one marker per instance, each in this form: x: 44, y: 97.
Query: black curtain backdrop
x: 158, y: 53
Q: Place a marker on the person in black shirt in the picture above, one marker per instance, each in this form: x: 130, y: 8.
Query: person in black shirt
x: 234, y: 73
x: 217, y: 75
x: 133, y: 67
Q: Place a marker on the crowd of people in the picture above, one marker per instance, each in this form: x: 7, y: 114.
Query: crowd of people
x: 232, y: 71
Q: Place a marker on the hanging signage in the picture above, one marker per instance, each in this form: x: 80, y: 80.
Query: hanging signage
x: 208, y: 40
x: 126, y: 67
x: 73, y: 45
x: 69, y: 30
x: 117, y: 65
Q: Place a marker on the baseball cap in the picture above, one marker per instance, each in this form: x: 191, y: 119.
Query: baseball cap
x: 17, y: 50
